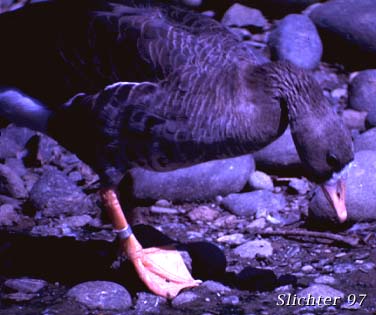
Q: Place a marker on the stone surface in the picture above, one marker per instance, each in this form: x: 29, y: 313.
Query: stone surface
x: 55, y: 194
x: 260, y: 180
x: 199, y: 182
x: 354, y: 119
x: 203, y: 213
x: 362, y: 93
x: 250, y: 249
x: 241, y: 16
x: 26, y: 285
x: 299, y: 186
x: 216, y: 287
x: 295, y: 39
x: 8, y: 216
x: 248, y: 204
x: 148, y: 303
x: 366, y: 141
x: 279, y: 156
x: 11, y: 184
x: 184, y: 298
x: 348, y: 26
x: 102, y: 295
x: 360, y: 192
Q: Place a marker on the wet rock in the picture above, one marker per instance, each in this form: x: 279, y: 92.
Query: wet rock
x: 54, y: 194
x: 148, y: 303
x: 316, y: 290
x: 184, y: 298
x: 11, y: 184
x: 260, y: 180
x: 362, y: 93
x: 199, y: 182
x: 242, y: 16
x: 26, y: 285
x: 250, y: 249
x: 354, y: 119
x: 280, y: 155
x: 347, y: 25
x: 13, y: 140
x: 8, y: 216
x: 296, y: 40
x: 360, y: 192
x: 366, y: 141
x: 299, y: 186
x: 101, y: 295
x: 216, y: 287
x: 248, y: 204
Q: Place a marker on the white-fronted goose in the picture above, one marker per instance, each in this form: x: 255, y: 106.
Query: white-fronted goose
x: 161, y: 88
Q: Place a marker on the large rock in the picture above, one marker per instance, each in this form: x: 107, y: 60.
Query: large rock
x: 199, y: 182
x: 102, y: 295
x: 348, y: 30
x: 295, y: 39
x: 366, y: 141
x: 362, y: 93
x: 248, y: 204
x: 360, y: 192
x: 280, y: 156
x: 55, y: 194
x: 241, y: 16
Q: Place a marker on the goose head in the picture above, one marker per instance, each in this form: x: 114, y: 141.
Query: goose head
x: 322, y: 141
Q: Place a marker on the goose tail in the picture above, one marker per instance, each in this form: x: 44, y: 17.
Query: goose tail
x: 23, y: 110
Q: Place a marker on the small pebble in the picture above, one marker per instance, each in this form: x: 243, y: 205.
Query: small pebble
x: 260, y: 180
x: 26, y: 285
x: 250, y: 249
x: 325, y: 279
x: 163, y: 210
x: 232, y: 300
x: 203, y: 213
x: 308, y: 269
x: 216, y: 287
x: 184, y: 298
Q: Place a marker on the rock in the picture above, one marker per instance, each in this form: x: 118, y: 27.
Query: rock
x: 163, y: 210
x: 17, y: 166
x: 184, y: 298
x: 343, y: 268
x: 348, y: 26
x: 232, y: 239
x: 260, y: 180
x: 55, y: 194
x: 247, y: 204
x: 203, y: 213
x: 325, y: 279
x: 362, y: 93
x: 366, y: 141
x: 308, y: 269
x: 11, y: 184
x: 242, y: 16
x: 232, y: 300
x: 316, y: 290
x: 148, y: 303
x: 102, y: 295
x: 19, y: 296
x: 256, y: 224
x: 299, y: 186
x: 354, y: 119
x: 295, y: 39
x: 216, y: 287
x: 280, y: 156
x: 360, y: 192
x: 13, y: 140
x: 26, y: 285
x: 250, y: 249
x: 76, y: 221
x: 199, y: 182
x: 8, y: 216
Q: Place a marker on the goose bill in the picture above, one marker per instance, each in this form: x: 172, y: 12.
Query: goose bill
x: 335, y: 193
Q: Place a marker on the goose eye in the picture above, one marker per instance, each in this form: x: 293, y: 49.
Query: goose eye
x: 333, y: 161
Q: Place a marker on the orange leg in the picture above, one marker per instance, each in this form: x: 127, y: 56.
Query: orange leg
x: 161, y: 268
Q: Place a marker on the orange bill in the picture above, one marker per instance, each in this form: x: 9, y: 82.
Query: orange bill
x: 335, y: 193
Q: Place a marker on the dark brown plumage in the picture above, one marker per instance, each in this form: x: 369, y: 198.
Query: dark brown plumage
x: 190, y: 92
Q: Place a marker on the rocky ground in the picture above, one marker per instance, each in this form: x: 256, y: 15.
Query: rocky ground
x: 253, y: 228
